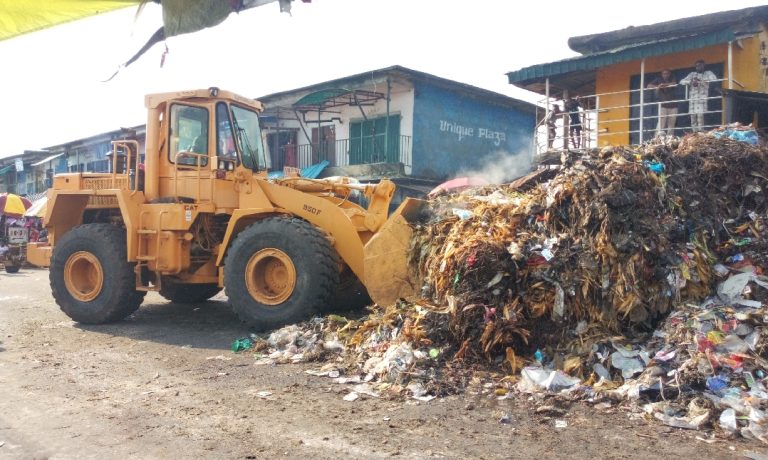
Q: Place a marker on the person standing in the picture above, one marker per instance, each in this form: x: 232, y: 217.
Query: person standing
x: 552, y: 124
x: 698, y: 93
x: 665, y: 94
x: 572, y: 106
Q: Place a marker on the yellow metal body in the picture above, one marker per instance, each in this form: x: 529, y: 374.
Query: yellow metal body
x: 181, y: 215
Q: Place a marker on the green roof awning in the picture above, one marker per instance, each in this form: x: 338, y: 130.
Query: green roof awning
x: 319, y: 97
x: 7, y: 168
x: 335, y: 97
x: 591, y: 62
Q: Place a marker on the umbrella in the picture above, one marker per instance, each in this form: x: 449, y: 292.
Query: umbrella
x: 13, y: 205
x: 38, y: 208
x: 457, y: 184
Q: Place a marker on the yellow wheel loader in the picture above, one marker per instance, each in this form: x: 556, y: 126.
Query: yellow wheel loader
x: 199, y: 214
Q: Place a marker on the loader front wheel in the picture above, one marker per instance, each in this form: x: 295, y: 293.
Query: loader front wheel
x: 91, y: 279
x: 350, y: 294
x: 280, y: 270
x: 188, y: 293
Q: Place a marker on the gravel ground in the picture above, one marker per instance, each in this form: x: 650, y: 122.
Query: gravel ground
x: 164, y: 383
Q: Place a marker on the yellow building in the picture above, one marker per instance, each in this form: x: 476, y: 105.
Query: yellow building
x: 614, y: 66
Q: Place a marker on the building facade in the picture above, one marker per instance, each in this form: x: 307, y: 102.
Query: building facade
x: 31, y: 173
x: 613, y: 75
x: 399, y: 123
x: 414, y: 128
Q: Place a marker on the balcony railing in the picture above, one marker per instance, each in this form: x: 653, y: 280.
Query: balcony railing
x: 345, y: 152
x: 635, y: 122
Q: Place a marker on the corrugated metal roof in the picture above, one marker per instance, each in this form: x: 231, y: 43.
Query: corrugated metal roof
x: 740, y: 21
x: 45, y: 160
x: 618, y: 55
x: 7, y: 168
x: 366, y: 78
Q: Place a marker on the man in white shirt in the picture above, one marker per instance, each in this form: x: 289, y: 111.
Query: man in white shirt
x: 698, y: 93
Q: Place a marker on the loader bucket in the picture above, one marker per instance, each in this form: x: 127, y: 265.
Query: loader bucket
x: 388, y: 274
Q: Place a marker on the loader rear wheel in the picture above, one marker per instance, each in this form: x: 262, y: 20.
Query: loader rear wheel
x: 91, y: 279
x: 280, y: 270
x: 12, y: 268
x: 188, y: 293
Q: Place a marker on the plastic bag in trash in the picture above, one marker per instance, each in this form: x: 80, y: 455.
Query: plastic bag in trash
x: 536, y: 378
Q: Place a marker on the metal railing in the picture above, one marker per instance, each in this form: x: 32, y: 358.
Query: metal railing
x: 636, y: 121
x: 345, y: 152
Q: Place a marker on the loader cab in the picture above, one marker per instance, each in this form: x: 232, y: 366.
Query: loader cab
x: 226, y: 134
x: 199, y: 143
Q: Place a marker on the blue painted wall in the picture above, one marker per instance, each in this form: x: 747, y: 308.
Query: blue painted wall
x: 455, y: 134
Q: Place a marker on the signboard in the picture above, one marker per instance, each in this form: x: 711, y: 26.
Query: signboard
x: 17, y: 235
x: 19, y: 164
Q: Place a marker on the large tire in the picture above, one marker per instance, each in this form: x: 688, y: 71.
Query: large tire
x: 12, y: 268
x: 91, y: 279
x: 280, y: 270
x: 188, y: 293
x: 350, y: 294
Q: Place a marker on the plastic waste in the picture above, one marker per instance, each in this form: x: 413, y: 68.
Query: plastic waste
x: 535, y: 378
x: 717, y: 383
x: 752, y: 339
x: 728, y: 421
x: 628, y: 364
x: 463, y: 214
x: 721, y: 269
x: 419, y: 393
x: 664, y: 355
x: 601, y: 371
x: 755, y: 431
x: 695, y: 417
x: 748, y: 136
x: 352, y: 396
x: 396, y: 360
x: 242, y: 344
x: 732, y: 288
x: 654, y: 166
x: 733, y: 344
x: 558, y: 309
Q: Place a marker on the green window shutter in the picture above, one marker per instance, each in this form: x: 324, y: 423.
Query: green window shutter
x: 355, y: 143
x: 370, y: 142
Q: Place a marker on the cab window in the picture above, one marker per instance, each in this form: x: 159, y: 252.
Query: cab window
x: 189, y: 134
x: 248, y: 137
x: 225, y: 139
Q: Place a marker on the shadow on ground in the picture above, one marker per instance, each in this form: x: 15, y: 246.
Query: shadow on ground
x: 210, y: 325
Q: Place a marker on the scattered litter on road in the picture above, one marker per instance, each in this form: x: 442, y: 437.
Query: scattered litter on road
x: 242, y: 344
x: 352, y: 396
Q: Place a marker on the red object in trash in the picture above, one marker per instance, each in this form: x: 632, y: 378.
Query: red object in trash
x: 457, y: 184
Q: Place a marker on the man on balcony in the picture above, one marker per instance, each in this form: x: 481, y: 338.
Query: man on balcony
x: 698, y: 93
x: 665, y: 94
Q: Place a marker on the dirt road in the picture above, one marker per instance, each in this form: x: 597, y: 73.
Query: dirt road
x: 164, y: 384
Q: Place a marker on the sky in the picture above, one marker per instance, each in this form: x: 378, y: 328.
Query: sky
x: 53, y: 80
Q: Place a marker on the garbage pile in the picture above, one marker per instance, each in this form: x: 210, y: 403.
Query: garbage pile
x: 608, y: 243
x: 708, y: 363
x: 632, y: 273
